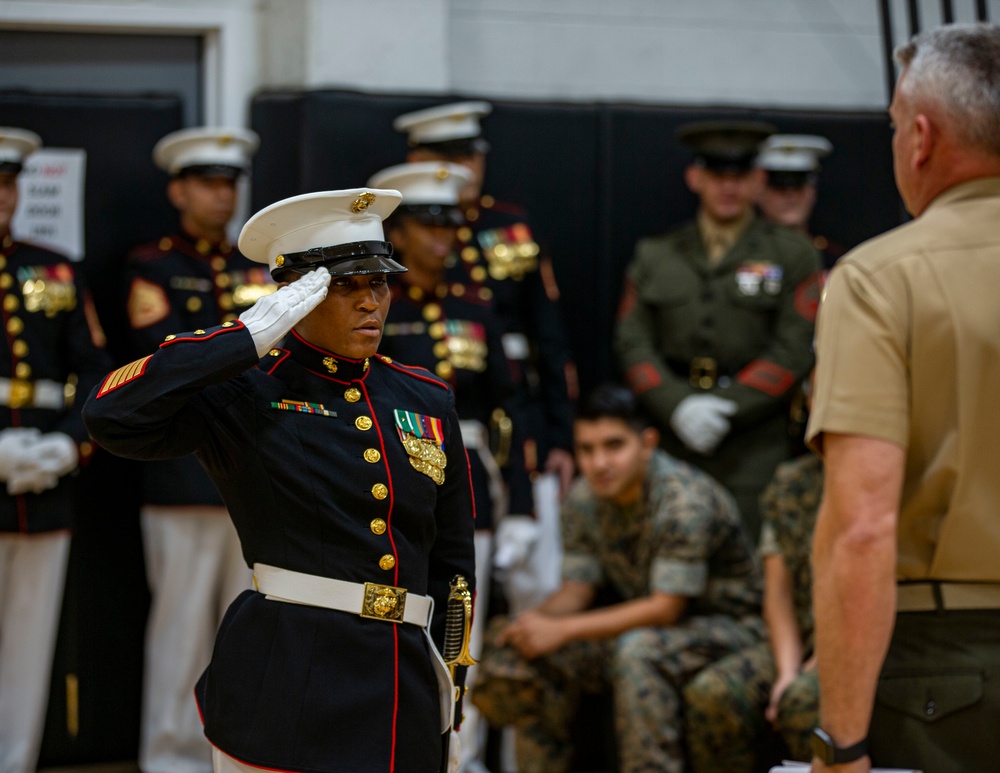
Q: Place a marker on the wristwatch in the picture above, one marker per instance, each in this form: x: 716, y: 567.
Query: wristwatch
x: 829, y: 753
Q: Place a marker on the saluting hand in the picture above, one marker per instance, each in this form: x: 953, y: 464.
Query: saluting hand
x: 270, y: 318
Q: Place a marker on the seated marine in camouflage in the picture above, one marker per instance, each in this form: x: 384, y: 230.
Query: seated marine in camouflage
x: 731, y: 704
x: 668, y: 542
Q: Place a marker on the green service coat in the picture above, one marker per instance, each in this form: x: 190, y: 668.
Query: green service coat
x: 753, y: 313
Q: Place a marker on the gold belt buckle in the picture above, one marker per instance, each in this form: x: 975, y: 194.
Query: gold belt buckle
x: 22, y: 393
x: 704, y: 371
x: 384, y: 602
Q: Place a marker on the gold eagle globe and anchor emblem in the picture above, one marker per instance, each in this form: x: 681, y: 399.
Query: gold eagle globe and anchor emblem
x: 384, y: 602
x: 362, y: 202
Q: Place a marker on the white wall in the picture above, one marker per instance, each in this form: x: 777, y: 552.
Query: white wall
x: 771, y: 52
x: 803, y: 53
x: 382, y: 45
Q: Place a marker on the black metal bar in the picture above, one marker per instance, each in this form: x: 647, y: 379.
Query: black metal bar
x: 982, y: 13
x: 914, y: 11
x: 947, y: 12
x: 885, y: 16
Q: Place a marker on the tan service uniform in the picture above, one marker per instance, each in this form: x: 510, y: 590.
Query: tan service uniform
x: 908, y: 351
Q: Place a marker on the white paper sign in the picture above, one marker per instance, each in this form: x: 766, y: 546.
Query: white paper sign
x: 50, y: 200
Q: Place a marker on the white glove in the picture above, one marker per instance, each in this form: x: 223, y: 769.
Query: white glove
x: 30, y: 479
x: 41, y: 462
x: 13, y: 441
x: 515, y: 537
x: 701, y: 422
x: 53, y: 452
x: 270, y: 318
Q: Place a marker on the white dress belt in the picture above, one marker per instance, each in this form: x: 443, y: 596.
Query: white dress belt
x: 42, y: 393
x: 297, y: 588
x: 366, y: 599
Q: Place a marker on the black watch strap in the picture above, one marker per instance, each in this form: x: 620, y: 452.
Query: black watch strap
x: 824, y: 747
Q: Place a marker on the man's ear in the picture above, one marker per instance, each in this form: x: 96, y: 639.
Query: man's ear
x: 693, y: 176
x: 925, y: 138
x: 650, y: 438
x: 177, y: 194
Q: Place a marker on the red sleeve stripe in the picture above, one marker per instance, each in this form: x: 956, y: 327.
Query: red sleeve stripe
x: 628, y: 300
x: 807, y: 296
x: 767, y: 377
x: 643, y: 377
x: 237, y: 325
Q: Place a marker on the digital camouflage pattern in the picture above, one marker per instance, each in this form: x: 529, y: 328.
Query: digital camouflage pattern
x: 790, y: 505
x: 684, y: 537
x: 725, y: 703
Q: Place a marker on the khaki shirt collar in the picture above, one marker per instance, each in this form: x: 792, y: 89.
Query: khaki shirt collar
x: 719, y: 238
x: 979, y: 188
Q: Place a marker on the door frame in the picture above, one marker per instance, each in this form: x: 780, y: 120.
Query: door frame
x: 229, y: 68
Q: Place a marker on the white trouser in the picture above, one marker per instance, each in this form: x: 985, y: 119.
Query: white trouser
x: 195, y: 569
x: 528, y: 584
x: 32, y: 578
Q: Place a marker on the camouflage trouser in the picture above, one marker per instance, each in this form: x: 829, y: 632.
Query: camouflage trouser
x: 646, y: 668
x: 724, y: 706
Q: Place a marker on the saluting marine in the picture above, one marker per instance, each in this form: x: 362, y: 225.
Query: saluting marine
x: 716, y: 321
x: 347, y: 479
x: 193, y: 279
x: 54, y: 349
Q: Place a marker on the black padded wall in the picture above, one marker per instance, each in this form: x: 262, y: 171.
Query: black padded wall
x: 105, y: 605
x: 594, y: 177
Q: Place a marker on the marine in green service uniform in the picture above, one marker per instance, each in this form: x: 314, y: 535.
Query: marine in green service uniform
x: 716, y: 321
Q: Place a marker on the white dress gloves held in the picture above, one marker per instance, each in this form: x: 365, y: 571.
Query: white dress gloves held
x: 270, y: 318
x: 41, y: 461
x: 13, y: 442
x: 701, y: 421
x: 515, y: 537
